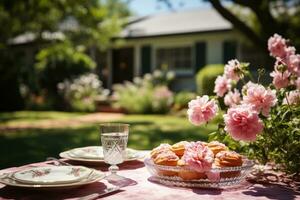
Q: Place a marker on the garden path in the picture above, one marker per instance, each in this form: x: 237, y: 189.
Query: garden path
x: 63, y: 123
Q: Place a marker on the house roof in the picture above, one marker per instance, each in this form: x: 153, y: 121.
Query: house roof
x: 181, y: 22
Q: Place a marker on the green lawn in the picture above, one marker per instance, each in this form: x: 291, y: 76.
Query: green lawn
x: 146, y: 131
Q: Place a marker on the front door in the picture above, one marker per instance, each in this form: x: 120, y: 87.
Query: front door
x: 122, y: 62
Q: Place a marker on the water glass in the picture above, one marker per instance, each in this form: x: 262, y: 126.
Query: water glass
x: 114, y: 137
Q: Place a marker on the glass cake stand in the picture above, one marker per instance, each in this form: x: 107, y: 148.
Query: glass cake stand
x: 229, y: 176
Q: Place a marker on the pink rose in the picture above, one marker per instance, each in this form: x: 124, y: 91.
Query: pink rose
x: 280, y: 80
x: 222, y: 85
x: 293, y: 98
x: 242, y: 123
x: 232, y: 98
x: 232, y: 69
x: 198, y: 156
x: 260, y: 98
x: 277, y: 46
x: 293, y: 63
x: 201, y: 110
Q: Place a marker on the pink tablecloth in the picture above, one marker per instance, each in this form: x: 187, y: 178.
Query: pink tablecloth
x: 140, y: 187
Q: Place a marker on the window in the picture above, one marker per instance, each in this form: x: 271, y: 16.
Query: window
x: 178, y: 59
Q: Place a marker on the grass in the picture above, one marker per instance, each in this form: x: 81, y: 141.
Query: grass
x: 33, y: 145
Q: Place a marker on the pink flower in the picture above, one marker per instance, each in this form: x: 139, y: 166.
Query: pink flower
x: 277, y: 46
x: 293, y: 63
x: 232, y: 98
x: 162, y: 93
x: 222, y: 85
x: 297, y: 83
x: 293, y: 98
x: 201, y: 110
x: 232, y: 69
x: 242, y: 123
x: 198, y: 156
x: 280, y: 80
x: 260, y: 98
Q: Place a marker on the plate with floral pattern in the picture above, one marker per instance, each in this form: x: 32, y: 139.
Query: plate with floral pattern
x: 10, y: 180
x: 94, y: 154
x: 52, y: 174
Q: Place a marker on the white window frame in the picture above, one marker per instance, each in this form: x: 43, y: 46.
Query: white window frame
x: 175, y: 45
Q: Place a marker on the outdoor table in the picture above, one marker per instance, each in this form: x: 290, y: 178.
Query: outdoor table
x: 139, y: 186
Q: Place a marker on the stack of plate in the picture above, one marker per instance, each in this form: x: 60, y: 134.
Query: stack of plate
x: 92, y: 154
x: 52, y: 177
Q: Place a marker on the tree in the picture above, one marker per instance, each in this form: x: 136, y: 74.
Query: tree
x: 81, y: 23
x: 262, y: 19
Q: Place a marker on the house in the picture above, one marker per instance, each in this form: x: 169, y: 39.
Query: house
x: 181, y: 41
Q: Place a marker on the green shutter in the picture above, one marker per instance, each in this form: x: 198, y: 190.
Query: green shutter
x: 200, y: 55
x: 146, y: 59
x: 229, y: 50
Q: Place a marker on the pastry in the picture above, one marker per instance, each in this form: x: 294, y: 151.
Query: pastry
x: 188, y: 174
x: 166, y: 158
x: 179, y: 148
x: 160, y: 149
x: 228, y: 159
x: 216, y: 147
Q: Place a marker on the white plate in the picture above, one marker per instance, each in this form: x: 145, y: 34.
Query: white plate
x: 52, y: 174
x: 8, y: 179
x: 93, y: 154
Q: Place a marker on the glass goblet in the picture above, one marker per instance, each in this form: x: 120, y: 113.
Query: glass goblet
x: 114, y: 138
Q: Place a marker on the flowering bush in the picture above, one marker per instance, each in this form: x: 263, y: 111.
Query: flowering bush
x: 261, y: 121
x: 81, y: 93
x: 146, y: 95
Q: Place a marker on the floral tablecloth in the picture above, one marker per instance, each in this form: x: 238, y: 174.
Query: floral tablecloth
x: 138, y: 185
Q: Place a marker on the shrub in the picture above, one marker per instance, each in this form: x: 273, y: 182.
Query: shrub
x: 182, y: 98
x: 57, y: 63
x: 81, y: 93
x: 146, y: 95
x: 205, y: 78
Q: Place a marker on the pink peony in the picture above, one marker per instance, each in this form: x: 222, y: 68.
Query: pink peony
x: 232, y: 98
x: 297, y: 83
x: 260, y: 98
x: 201, y: 110
x: 293, y: 98
x: 232, y: 69
x: 198, y: 156
x: 222, y: 85
x: 293, y: 63
x: 213, y: 176
x: 277, y: 46
x: 242, y: 123
x: 280, y: 80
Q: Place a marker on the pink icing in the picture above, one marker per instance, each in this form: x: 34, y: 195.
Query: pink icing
x: 198, y: 157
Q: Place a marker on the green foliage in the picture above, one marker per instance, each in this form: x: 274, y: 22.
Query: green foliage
x: 145, y: 95
x: 182, y: 99
x: 59, y: 62
x: 206, y: 77
x: 42, y: 23
x: 81, y: 93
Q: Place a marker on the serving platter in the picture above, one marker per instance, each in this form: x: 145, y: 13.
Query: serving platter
x: 228, y: 176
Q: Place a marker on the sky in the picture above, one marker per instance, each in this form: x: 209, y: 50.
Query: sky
x: 149, y: 7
